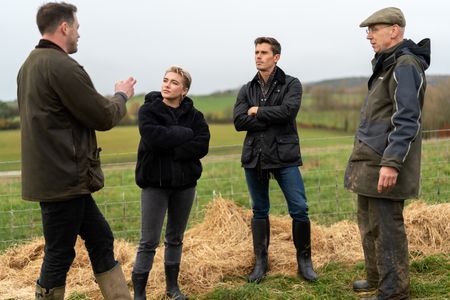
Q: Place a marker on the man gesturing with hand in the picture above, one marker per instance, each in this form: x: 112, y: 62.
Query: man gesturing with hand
x: 60, y: 110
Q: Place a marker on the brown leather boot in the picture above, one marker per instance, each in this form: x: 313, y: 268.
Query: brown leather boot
x: 56, y: 293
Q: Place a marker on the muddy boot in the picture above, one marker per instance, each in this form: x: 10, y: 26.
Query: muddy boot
x: 261, y: 236
x: 113, y: 285
x: 139, y: 284
x: 363, y: 286
x: 172, y: 289
x: 56, y: 293
x: 301, y: 232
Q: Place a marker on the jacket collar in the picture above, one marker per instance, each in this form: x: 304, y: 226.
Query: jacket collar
x: 43, y: 43
x: 386, y: 58
x: 279, y: 77
x: 155, y: 99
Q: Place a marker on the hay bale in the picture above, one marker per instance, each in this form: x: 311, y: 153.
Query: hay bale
x: 22, y: 264
x: 221, y: 246
x: 428, y: 228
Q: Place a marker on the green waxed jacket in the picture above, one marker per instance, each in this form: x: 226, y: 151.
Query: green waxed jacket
x: 389, y: 133
x: 60, y: 111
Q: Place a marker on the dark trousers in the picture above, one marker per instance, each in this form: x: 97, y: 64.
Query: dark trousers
x: 385, y: 246
x: 62, y: 222
x: 291, y: 183
x: 155, y: 202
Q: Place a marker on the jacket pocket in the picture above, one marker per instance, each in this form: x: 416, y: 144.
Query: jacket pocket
x: 362, y: 152
x: 288, y: 148
x: 95, y: 173
x: 247, y: 151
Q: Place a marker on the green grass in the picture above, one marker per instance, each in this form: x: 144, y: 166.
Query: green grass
x: 335, y: 282
x: 323, y: 172
x: 119, y: 200
x: 325, y: 155
x: 220, y: 107
x: 345, y: 120
x: 431, y: 281
x: 216, y: 103
x: 429, y: 277
x: 120, y: 144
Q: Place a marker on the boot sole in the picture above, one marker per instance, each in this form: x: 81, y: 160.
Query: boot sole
x: 365, y: 290
x: 257, y: 280
x: 307, y: 279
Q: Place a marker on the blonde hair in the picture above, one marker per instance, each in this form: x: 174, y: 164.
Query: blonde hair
x: 187, y: 79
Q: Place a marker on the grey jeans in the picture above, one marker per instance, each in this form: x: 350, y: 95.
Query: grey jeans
x: 385, y: 246
x: 154, y: 204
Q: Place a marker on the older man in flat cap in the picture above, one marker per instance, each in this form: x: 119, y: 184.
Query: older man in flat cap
x: 384, y: 167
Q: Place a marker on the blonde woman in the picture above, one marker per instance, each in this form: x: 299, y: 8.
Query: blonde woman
x: 174, y: 137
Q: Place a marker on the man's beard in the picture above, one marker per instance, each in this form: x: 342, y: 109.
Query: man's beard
x: 73, y: 49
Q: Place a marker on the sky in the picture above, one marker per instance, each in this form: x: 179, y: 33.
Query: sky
x: 213, y: 39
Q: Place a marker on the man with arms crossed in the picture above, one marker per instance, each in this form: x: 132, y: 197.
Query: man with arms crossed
x: 384, y: 168
x: 266, y: 108
x: 60, y: 111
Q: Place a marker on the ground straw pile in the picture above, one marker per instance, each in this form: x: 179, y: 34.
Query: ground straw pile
x: 221, y: 247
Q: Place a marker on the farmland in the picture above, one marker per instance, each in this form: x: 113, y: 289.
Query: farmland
x: 326, y: 142
x: 325, y: 154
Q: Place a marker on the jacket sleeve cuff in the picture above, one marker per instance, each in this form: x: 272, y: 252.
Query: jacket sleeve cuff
x: 385, y: 162
x: 123, y: 95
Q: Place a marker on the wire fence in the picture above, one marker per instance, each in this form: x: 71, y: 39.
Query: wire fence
x: 324, y: 158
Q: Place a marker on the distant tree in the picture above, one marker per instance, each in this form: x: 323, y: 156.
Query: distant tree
x: 134, y: 109
x: 322, y: 97
x: 7, y: 111
x: 436, y: 110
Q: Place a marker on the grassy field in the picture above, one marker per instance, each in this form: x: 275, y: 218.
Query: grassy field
x: 325, y: 154
x: 220, y: 107
x: 429, y: 280
x: 120, y: 143
x: 428, y: 276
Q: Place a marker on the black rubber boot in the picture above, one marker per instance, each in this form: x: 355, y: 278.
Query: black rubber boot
x: 172, y: 289
x: 301, y: 231
x: 139, y: 284
x: 261, y: 237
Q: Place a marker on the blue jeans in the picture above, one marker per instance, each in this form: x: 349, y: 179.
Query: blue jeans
x: 62, y: 222
x: 291, y: 183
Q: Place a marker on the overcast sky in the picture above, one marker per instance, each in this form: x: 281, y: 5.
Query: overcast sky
x: 214, y: 39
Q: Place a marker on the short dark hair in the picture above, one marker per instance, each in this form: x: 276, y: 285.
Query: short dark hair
x: 276, y: 47
x: 51, y: 14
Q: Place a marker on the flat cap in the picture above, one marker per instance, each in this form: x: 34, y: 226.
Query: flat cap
x: 388, y: 15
